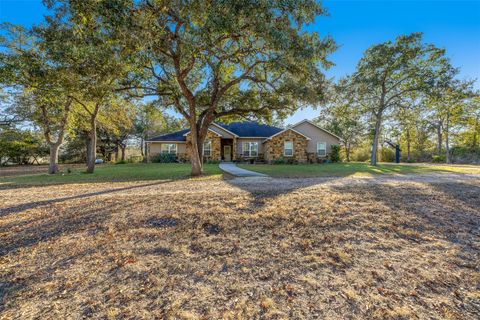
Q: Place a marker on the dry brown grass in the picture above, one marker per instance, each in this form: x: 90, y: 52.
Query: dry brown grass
x: 385, y: 247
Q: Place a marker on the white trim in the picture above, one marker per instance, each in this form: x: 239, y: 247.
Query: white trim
x: 165, y: 141
x: 325, y: 143
x: 218, y: 134
x: 285, y: 130
x: 313, y: 124
x: 219, y: 126
x: 287, y: 155
x: 249, y: 149
x: 168, y: 149
x: 210, y: 150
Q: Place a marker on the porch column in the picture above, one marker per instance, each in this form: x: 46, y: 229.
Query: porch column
x: 234, y: 149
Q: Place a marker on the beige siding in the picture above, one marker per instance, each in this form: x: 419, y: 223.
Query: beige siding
x: 156, y: 147
x: 240, y: 142
x: 316, y: 135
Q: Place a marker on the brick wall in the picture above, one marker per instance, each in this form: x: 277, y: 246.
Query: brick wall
x: 273, y: 148
x: 216, y: 146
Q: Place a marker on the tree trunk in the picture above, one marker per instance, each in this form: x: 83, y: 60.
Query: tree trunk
x: 439, y: 138
x: 475, y: 133
x: 447, y: 142
x: 378, y: 124
x: 196, y: 159
x: 408, y: 145
x: 92, y: 147
x: 347, y: 151
x: 142, y: 147
x: 53, y: 161
x: 122, y: 148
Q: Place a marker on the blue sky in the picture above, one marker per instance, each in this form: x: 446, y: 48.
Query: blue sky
x: 356, y: 25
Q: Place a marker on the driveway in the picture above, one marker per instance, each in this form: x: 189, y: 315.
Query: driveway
x: 231, y: 168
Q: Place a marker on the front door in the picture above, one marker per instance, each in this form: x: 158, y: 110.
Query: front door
x: 227, y: 153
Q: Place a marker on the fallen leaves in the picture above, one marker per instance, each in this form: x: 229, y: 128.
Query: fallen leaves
x: 273, y: 249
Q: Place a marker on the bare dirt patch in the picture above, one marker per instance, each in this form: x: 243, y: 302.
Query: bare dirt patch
x: 382, y: 247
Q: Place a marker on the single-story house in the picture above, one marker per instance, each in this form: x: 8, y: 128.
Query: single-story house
x: 302, y: 142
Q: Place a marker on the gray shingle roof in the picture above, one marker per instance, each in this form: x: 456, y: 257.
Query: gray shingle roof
x: 241, y: 129
x: 175, y: 136
x: 250, y: 129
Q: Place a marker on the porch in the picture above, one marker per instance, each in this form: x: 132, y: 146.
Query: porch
x: 228, y: 149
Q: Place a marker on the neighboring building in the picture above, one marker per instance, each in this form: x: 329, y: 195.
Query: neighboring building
x: 302, y: 142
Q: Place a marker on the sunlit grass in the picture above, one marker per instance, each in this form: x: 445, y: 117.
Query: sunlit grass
x: 111, y: 173
x: 351, y: 169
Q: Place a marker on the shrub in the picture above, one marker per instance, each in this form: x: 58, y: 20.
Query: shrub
x: 121, y: 162
x: 438, y: 158
x: 291, y: 161
x: 285, y: 161
x: 135, y: 159
x: 461, y: 154
x: 361, y: 154
x: 335, y: 154
x: 213, y: 162
x: 387, y: 155
x: 164, y: 158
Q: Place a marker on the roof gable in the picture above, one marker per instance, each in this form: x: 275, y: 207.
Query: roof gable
x: 314, y: 125
x: 289, y: 129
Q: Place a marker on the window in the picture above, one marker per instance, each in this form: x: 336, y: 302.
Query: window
x: 207, y: 148
x: 169, y: 148
x: 250, y: 149
x: 288, y: 149
x: 321, y: 149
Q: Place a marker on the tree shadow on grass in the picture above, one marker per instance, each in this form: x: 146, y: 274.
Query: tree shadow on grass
x: 446, y: 209
x: 72, y: 219
x: 262, y: 191
x: 451, y: 212
x: 31, y: 205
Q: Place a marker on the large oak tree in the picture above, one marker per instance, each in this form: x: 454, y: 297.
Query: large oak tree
x: 40, y: 86
x: 217, y: 59
x: 390, y: 70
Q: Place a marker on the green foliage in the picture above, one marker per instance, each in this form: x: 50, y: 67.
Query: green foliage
x: 343, y: 115
x: 387, y: 155
x: 135, y: 159
x: 19, y: 146
x: 74, y: 150
x: 361, y: 154
x: 465, y: 154
x: 389, y: 71
x: 438, y: 158
x: 213, y: 162
x: 335, y: 153
x: 121, y: 162
x: 283, y: 160
x: 164, y: 158
x: 216, y: 59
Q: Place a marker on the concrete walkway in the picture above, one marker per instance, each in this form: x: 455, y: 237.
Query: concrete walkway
x: 231, y: 168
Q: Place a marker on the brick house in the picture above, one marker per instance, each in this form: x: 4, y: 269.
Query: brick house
x: 302, y: 142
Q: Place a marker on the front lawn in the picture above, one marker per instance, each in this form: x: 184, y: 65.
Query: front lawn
x: 390, y: 248
x: 110, y: 173
x: 347, y: 169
